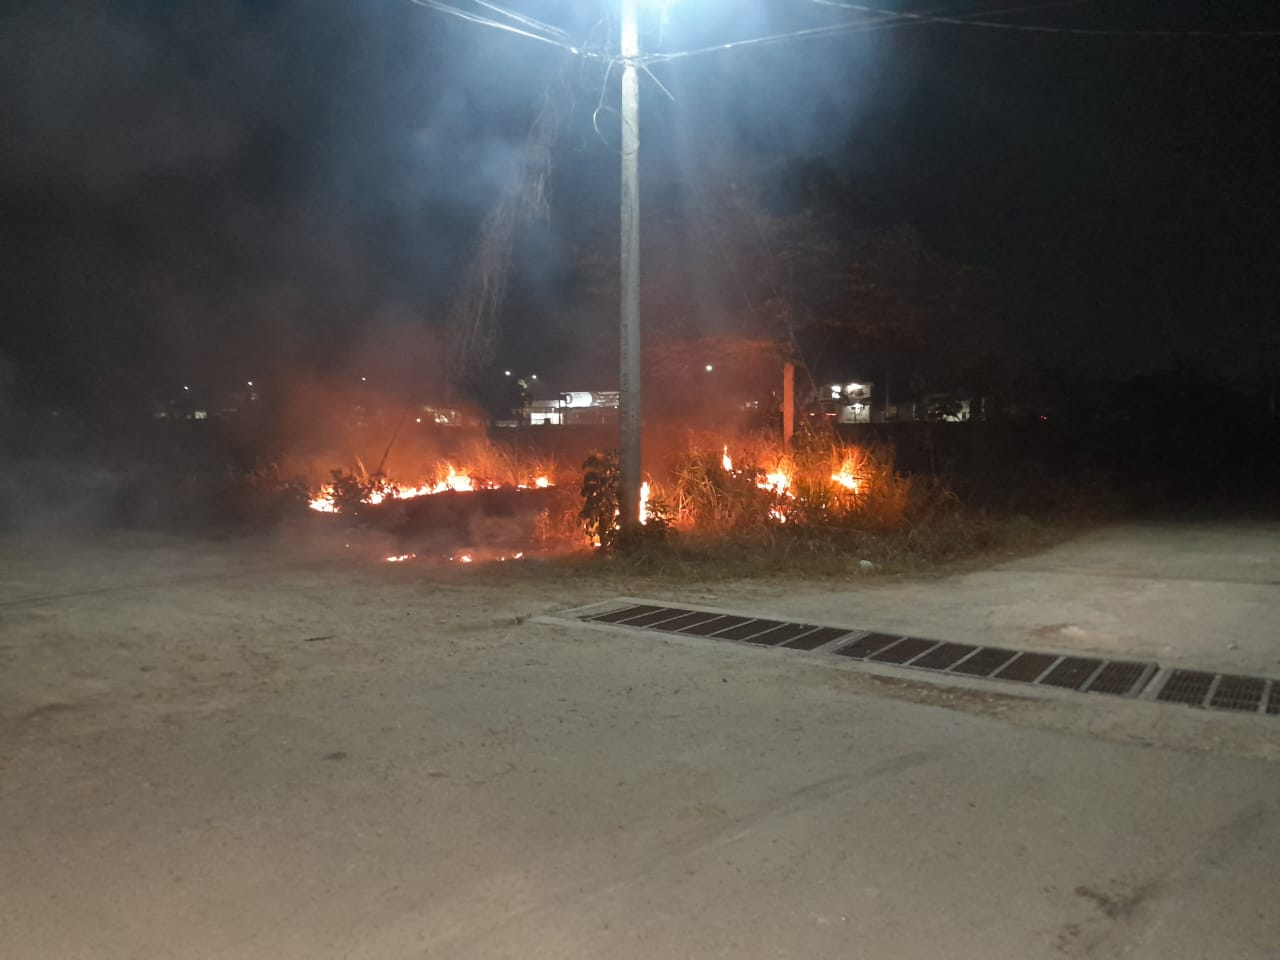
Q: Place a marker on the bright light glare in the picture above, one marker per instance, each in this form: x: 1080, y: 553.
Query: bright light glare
x: 709, y: 368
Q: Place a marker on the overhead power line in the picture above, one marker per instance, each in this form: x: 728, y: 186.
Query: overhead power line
x: 962, y: 21
x: 553, y: 40
x: 527, y: 20
x: 830, y: 30
x: 881, y: 21
x: 871, y: 18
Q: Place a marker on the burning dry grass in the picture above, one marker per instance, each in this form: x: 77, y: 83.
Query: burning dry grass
x: 823, y: 509
x: 757, y: 484
x: 747, y: 508
x: 479, y: 466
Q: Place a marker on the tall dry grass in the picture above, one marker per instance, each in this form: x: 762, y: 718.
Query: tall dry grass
x: 490, y: 463
x: 820, y: 482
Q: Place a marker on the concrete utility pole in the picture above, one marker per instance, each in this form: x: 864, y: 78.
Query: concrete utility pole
x: 629, y: 460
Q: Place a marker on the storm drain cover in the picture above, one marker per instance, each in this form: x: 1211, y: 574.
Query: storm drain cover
x: 1187, y: 686
x: 868, y: 644
x: 1072, y: 672
x: 1118, y: 678
x: 1027, y: 667
x: 904, y: 651
x: 985, y: 662
x: 1121, y: 677
x: 944, y: 656
x: 1239, y: 693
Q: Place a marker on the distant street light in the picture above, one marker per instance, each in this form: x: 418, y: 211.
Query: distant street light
x: 710, y: 368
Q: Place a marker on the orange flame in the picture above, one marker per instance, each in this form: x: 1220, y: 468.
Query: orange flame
x: 644, y: 502
x: 778, y: 482
x: 451, y: 480
x: 846, y: 477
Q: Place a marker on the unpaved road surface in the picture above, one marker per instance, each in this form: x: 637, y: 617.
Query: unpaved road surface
x: 228, y: 750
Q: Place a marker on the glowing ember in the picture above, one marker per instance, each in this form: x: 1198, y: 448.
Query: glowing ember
x: 401, y: 558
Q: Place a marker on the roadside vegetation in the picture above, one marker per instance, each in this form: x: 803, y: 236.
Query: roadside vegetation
x: 824, y: 508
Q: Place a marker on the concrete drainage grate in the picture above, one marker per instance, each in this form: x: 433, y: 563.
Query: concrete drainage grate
x: 1245, y: 694
x: 1072, y: 673
x: 1119, y: 678
x: 1187, y: 686
x: 944, y: 656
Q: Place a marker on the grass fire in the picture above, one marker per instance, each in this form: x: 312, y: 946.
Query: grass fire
x: 494, y: 504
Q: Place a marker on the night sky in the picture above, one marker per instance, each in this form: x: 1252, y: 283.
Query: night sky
x: 232, y: 189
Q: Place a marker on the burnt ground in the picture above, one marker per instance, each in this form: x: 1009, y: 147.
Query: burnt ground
x: 258, y: 748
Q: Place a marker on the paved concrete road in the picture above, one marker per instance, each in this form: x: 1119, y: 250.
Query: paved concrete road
x: 373, y: 764
x: 1201, y: 595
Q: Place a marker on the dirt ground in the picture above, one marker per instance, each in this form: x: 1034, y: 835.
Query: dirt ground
x: 243, y: 748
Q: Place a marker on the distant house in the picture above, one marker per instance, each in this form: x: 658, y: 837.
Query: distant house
x: 576, y: 408
x: 847, y: 402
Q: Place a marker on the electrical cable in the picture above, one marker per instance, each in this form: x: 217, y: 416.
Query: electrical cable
x: 888, y: 18
x: 810, y: 33
x: 530, y: 22
x: 650, y: 74
x: 960, y: 21
x: 601, y: 105
x: 498, y: 25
